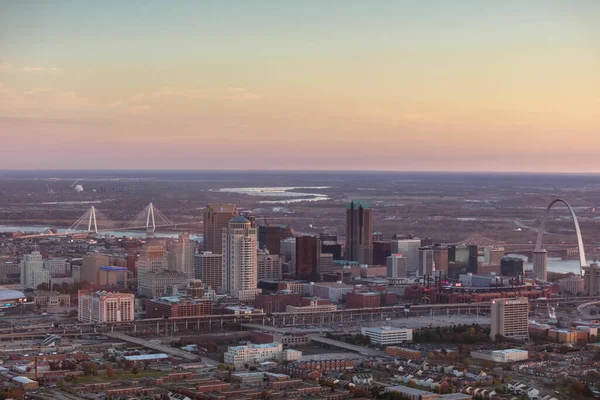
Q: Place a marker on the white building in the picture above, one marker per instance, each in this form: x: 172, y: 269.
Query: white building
x: 502, y: 356
x: 33, y: 272
x: 253, y: 353
x: 396, y: 266
x: 333, y: 291
x: 425, y: 261
x: 572, y: 285
x: 388, y: 335
x: 162, y: 283
x: 240, y: 275
x: 102, y: 307
x: 291, y: 355
x: 409, y: 248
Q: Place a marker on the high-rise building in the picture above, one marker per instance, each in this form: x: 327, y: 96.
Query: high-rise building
x: 209, y: 268
x: 57, y: 266
x: 591, y: 280
x: 154, y: 277
x: 473, y: 259
x: 181, y: 255
x: 572, y: 285
x: 240, y: 275
x: 396, y: 266
x: 409, y: 248
x: 440, y: 258
x: 33, y: 272
x: 153, y: 257
x: 540, y: 265
x: 216, y: 218
x: 492, y: 255
x: 510, y: 318
x: 269, y: 265
x: 288, y: 249
x: 270, y: 237
x: 99, y: 270
x: 381, y: 251
x: 425, y: 261
x: 359, y: 232
x: 512, y: 266
x: 102, y: 307
x: 325, y: 263
x: 377, y: 237
x: 332, y: 247
x: 308, y: 251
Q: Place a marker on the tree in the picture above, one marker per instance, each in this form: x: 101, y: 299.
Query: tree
x: 73, y: 314
x: 110, y: 371
x: 43, y: 286
x: 135, y: 370
x: 60, y: 383
x: 90, y: 368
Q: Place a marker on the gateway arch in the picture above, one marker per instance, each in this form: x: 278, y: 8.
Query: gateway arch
x: 538, y: 246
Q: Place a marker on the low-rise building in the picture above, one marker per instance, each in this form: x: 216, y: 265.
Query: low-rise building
x: 43, y: 298
x: 177, y: 306
x: 403, y: 352
x: 253, y: 353
x: 291, y: 355
x: 388, y: 335
x: 502, y: 356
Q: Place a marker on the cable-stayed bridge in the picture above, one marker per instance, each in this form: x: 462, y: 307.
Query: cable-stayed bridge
x: 94, y: 222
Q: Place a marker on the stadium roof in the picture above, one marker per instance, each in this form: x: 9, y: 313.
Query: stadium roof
x: 10, y: 294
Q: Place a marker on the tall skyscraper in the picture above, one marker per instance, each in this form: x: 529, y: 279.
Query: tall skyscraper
x: 409, y: 248
x: 33, y: 272
x: 90, y: 267
x: 381, y: 251
x: 181, y: 255
x: 473, y: 259
x: 510, y: 318
x: 591, y: 280
x: 240, y: 274
x: 216, y: 218
x: 269, y: 265
x: 440, y: 258
x: 270, y: 237
x: 308, y: 252
x: 396, y: 266
x: 425, y: 261
x: 512, y: 266
x: 154, y: 277
x: 359, y: 232
x: 540, y: 265
x: 209, y: 268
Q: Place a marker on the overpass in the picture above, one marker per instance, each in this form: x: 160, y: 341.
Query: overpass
x: 154, y: 346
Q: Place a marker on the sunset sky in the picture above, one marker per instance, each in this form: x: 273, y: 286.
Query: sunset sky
x: 310, y: 84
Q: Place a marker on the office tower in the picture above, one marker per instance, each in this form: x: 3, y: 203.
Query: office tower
x: 216, y: 218
x: 359, y: 232
x: 270, y: 237
x: 308, y: 251
x: 332, y: 247
x: 409, y: 248
x: 510, y: 318
x: 288, y: 249
x: 591, y: 280
x: 325, y: 263
x: 33, y: 272
x: 57, y: 266
x: 209, y: 268
x: 102, y: 307
x: 381, y: 251
x: 440, y: 258
x: 240, y: 275
x: 154, y: 277
x: 492, y: 255
x: 269, y: 265
x: 512, y: 266
x: 328, y: 237
x: 377, y: 237
x: 473, y: 256
x: 90, y: 267
x: 181, y: 255
x: 540, y: 265
x: 396, y: 266
x: 425, y: 261
x: 250, y: 217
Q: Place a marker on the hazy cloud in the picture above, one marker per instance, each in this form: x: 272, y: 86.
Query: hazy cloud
x: 51, y: 70
x: 242, y: 93
x: 140, y: 109
x: 5, y: 66
x: 37, y: 90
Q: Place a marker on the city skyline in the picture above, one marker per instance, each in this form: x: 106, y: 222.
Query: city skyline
x: 398, y: 86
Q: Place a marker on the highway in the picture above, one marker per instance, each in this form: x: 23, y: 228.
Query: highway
x: 220, y: 323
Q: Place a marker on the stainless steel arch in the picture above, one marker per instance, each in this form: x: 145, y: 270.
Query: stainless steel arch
x: 538, y: 246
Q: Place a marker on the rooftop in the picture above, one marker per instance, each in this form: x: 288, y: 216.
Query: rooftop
x: 386, y: 329
x: 357, y: 204
x: 239, y: 220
